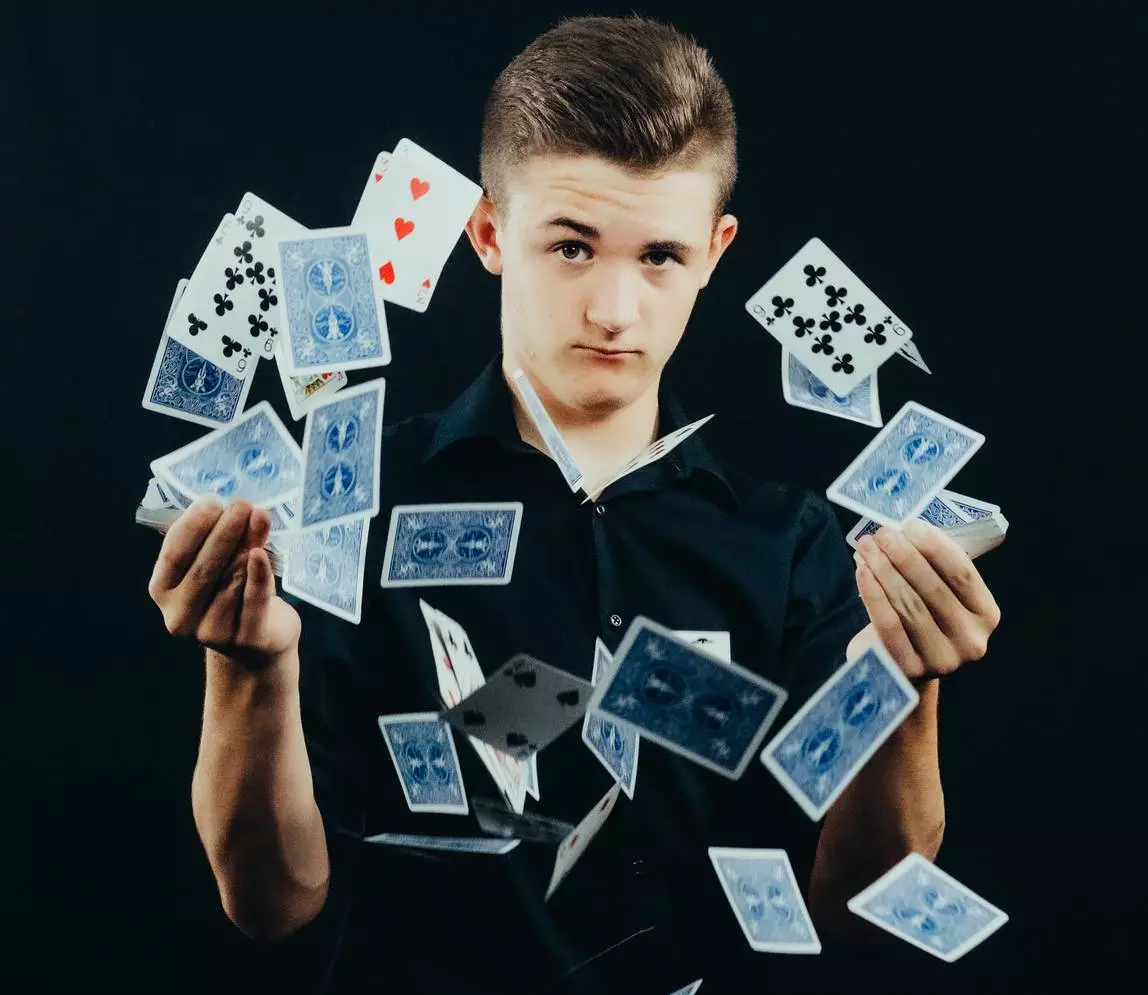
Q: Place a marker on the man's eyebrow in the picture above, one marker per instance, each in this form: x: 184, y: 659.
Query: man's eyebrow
x: 589, y: 231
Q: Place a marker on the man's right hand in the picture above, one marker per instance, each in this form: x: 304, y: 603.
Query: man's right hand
x: 213, y: 583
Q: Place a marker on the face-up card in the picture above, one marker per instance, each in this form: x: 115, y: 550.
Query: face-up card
x: 206, y: 319
x: 330, y: 315
x: 923, y: 905
x: 532, y: 827
x: 422, y: 748
x: 422, y: 209
x: 614, y: 743
x: 341, y: 457
x: 905, y: 465
x: 765, y: 897
x: 325, y: 567
x: 910, y: 352
x: 367, y: 211
x: 803, y: 390
x: 711, y: 640
x: 836, y: 326
x: 651, y: 454
x: 254, y: 458
x: 448, y: 681
x: 570, y: 850
x: 532, y: 777
x: 525, y: 705
x: 185, y: 385
x: 687, y: 700
x: 454, y: 844
x: 832, y: 736
x: 451, y: 544
x: 546, y: 428
x: 304, y: 392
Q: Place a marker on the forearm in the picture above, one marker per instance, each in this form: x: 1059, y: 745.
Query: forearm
x: 253, y: 799
x: 893, y: 806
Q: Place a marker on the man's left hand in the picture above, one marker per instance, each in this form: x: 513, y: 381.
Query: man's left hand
x: 927, y: 603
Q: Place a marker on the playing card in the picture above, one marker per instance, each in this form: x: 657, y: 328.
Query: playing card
x: 803, y: 390
x: 973, y: 509
x: 835, y: 326
x: 366, y: 213
x: 422, y: 749
x: 341, y: 457
x: 715, y: 642
x: 541, y: 418
x: 614, y: 743
x: 765, y: 897
x: 532, y: 777
x: 525, y: 705
x: 185, y: 385
x: 690, y: 989
x: 456, y: 844
x: 448, y: 684
x: 686, y: 699
x: 920, y: 903
x: 939, y: 512
x: 304, y: 392
x: 422, y: 208
x: 325, y: 567
x: 910, y: 352
x: 532, y: 827
x: 905, y: 465
x: 330, y: 313
x: 651, y: 454
x: 254, y: 458
x: 570, y: 850
x: 451, y: 544
x: 206, y: 319
x: 821, y: 749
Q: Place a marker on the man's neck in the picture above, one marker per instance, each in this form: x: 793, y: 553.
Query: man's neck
x: 599, y: 444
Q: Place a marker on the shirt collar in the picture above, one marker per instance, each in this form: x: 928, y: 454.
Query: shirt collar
x: 486, y: 409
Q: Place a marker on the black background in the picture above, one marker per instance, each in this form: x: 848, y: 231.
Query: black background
x: 983, y: 170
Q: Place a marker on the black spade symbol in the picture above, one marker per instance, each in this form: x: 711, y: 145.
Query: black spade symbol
x: 567, y: 697
x: 526, y: 678
x: 515, y: 739
x: 473, y: 717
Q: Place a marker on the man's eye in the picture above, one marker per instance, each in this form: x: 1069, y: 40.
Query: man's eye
x: 575, y: 247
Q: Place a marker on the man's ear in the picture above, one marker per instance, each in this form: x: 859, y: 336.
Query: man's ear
x: 724, y: 232
x: 482, y: 229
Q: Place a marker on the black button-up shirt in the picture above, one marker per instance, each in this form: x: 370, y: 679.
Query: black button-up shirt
x: 684, y: 541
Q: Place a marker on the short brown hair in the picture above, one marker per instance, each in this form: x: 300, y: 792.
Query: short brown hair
x: 632, y: 90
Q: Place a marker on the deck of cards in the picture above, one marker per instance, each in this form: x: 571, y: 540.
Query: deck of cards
x: 314, y: 301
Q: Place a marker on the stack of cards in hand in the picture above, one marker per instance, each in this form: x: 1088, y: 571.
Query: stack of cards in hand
x: 314, y: 302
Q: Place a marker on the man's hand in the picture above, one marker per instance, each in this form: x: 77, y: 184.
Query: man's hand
x: 927, y: 603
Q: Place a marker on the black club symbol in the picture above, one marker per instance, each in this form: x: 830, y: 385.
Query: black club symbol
x: 231, y: 347
x: 258, y: 325
x: 824, y: 344
x: 256, y: 274
x: 877, y: 334
x: 802, y: 325
x: 223, y: 304
x: 835, y: 295
x: 195, y: 325
x: 233, y: 278
x: 830, y: 321
x: 255, y: 226
x: 243, y: 252
x: 844, y: 363
x: 781, y: 305
x: 813, y: 274
x: 267, y: 298
x: 855, y: 315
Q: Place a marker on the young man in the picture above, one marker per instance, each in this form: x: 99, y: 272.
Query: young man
x: 608, y: 157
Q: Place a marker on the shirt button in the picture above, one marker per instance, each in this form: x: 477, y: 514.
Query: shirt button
x: 600, y: 508
x: 638, y: 866
x: 615, y: 620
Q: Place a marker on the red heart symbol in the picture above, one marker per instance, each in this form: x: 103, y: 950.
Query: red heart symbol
x: 426, y: 283
x: 387, y: 273
x: 403, y: 228
x: 418, y: 187
x: 378, y: 176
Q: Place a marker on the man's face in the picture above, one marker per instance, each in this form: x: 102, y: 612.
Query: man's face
x: 600, y: 270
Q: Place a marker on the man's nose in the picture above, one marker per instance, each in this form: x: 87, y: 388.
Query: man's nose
x: 615, y: 299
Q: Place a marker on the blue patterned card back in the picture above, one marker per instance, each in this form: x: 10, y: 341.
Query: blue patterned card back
x: 614, y: 743
x: 451, y: 544
x: 422, y: 749
x: 763, y: 892
x: 325, y: 567
x: 688, y: 701
x: 822, y: 747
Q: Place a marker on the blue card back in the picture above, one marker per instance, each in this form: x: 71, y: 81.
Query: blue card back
x: 325, y: 567
x: 422, y: 748
x: 763, y: 892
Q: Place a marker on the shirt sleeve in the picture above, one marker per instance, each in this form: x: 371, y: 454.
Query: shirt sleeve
x: 824, y: 610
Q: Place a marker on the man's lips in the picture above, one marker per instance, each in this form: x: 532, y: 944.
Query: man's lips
x: 608, y: 352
